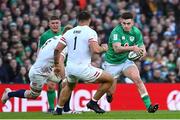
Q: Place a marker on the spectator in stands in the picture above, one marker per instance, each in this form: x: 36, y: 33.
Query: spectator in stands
x: 171, y: 77
x: 4, y: 48
x: 146, y: 73
x: 4, y: 78
x: 13, y: 70
x: 157, y: 76
x: 22, y: 77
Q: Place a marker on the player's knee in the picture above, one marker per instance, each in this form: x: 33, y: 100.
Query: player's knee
x: 109, y: 78
x: 51, y: 85
x: 105, y: 78
x: 137, y: 79
x: 71, y: 85
x: 35, y: 93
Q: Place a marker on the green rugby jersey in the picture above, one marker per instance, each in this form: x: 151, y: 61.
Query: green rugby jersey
x: 131, y: 38
x: 48, y: 34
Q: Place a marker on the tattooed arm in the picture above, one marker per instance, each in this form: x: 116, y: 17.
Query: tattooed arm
x: 119, y: 49
x: 58, y: 62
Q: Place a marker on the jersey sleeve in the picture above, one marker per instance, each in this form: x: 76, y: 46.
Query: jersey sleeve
x: 64, y: 52
x: 41, y: 41
x: 139, y: 40
x: 93, y: 36
x: 64, y: 38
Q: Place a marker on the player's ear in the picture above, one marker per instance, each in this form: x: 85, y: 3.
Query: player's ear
x: 120, y: 20
x: 89, y: 21
x: 132, y: 21
x: 49, y: 23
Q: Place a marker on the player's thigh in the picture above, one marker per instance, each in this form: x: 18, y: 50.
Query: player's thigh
x: 36, y: 84
x: 71, y: 85
x: 93, y: 74
x: 132, y: 72
x: 113, y: 69
x: 51, y: 85
x: 86, y: 73
x: 69, y: 82
x: 105, y: 77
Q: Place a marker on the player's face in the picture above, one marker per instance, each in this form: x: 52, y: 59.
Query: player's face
x: 127, y: 24
x: 54, y: 25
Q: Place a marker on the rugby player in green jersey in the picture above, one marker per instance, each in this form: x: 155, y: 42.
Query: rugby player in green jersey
x: 55, y: 30
x: 123, y: 39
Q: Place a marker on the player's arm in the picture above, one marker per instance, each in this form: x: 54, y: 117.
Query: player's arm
x: 60, y: 54
x: 62, y: 60
x: 95, y: 48
x: 140, y: 43
x: 93, y: 43
x: 143, y: 48
x: 118, y: 48
x: 40, y: 43
x: 38, y: 46
x: 62, y: 67
x: 58, y: 62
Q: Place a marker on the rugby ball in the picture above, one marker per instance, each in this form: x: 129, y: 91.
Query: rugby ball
x: 133, y: 56
x: 54, y: 78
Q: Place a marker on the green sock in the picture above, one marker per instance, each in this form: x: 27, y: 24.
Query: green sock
x: 51, y: 97
x: 146, y: 101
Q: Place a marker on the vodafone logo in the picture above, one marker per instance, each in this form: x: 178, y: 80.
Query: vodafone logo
x: 173, y: 100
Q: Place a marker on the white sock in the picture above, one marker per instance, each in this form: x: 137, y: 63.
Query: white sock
x: 145, y: 94
x: 58, y: 106
x: 94, y: 100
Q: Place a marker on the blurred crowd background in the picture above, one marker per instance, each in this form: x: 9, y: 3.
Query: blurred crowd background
x: 23, y: 21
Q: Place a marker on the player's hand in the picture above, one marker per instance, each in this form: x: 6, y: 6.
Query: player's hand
x: 140, y: 52
x: 136, y: 48
x: 105, y: 47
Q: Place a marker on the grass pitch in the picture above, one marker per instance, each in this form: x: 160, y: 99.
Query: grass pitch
x: 92, y: 115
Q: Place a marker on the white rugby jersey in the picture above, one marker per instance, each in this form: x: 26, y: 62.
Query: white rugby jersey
x: 45, y: 59
x: 77, y: 41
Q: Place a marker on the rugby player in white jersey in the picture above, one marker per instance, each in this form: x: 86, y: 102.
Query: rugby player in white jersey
x: 40, y: 72
x: 81, y: 41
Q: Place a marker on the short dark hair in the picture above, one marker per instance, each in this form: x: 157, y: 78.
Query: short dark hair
x: 67, y: 27
x: 127, y: 15
x: 83, y: 15
x: 54, y: 17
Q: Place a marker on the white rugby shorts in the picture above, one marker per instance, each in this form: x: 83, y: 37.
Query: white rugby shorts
x: 36, y: 80
x: 84, y: 72
x: 116, y: 69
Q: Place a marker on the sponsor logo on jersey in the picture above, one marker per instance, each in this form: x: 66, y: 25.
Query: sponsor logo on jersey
x: 123, y: 38
x: 131, y: 38
x: 115, y: 37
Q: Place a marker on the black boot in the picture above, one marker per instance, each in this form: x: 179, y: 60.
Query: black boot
x: 95, y: 107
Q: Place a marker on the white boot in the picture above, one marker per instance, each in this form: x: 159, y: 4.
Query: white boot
x: 5, y: 97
